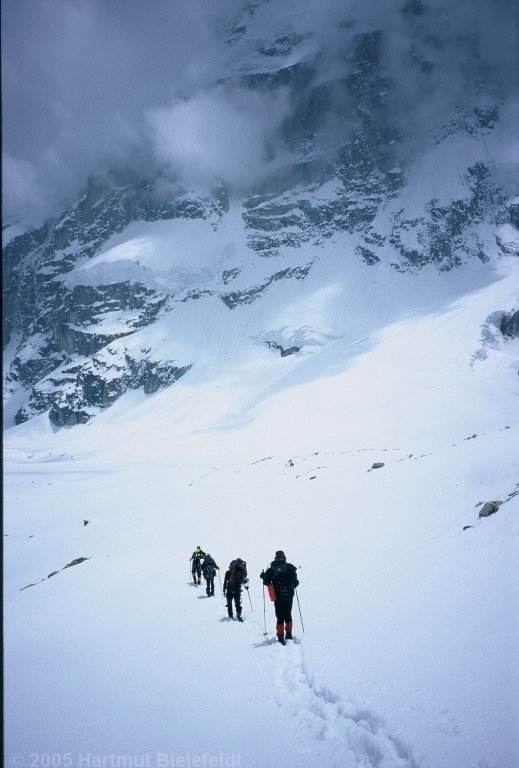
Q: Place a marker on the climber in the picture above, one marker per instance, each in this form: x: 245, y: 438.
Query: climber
x: 209, y: 569
x: 281, y: 580
x: 235, y: 578
x: 196, y: 571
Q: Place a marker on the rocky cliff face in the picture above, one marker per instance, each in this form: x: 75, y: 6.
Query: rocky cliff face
x: 73, y: 347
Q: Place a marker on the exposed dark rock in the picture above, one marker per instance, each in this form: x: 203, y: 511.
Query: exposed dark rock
x: 229, y: 274
x: 466, y: 527
x: 513, y: 212
x: 509, y: 325
x: 368, y: 255
x: 77, y: 561
x: 56, y: 322
x: 196, y: 294
x: 86, y: 522
x: 236, y: 298
x: 54, y: 573
x: 97, y: 384
x: 377, y: 465
x: 489, y: 508
x: 486, y: 117
x: 284, y: 352
x: 34, y: 583
x: 107, y: 207
x: 443, y: 233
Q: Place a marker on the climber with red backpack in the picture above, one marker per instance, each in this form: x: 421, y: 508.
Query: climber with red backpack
x: 235, y: 577
x: 281, y: 580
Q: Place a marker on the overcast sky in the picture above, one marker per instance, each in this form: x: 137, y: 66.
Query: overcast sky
x: 90, y: 82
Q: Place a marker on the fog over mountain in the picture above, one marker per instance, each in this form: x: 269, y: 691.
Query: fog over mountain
x: 88, y: 84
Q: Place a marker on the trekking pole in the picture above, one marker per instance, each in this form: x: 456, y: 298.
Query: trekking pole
x: 302, y: 625
x: 264, y: 615
x: 250, y: 601
x: 219, y: 579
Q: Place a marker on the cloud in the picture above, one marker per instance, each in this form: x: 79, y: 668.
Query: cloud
x: 89, y: 83
x: 77, y: 79
x: 227, y: 134
x: 20, y: 185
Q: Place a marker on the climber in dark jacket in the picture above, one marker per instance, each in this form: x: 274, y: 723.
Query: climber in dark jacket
x: 234, y: 578
x: 196, y: 571
x: 281, y: 580
x: 209, y: 569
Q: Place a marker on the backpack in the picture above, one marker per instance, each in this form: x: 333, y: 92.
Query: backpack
x: 209, y: 572
x: 237, y: 573
x: 280, y: 581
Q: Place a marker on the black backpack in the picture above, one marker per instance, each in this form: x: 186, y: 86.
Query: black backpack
x: 281, y: 581
x: 209, y: 572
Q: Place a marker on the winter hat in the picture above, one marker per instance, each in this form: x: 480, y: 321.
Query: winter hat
x: 280, y: 554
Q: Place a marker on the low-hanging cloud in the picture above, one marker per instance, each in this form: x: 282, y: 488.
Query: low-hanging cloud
x: 77, y: 79
x: 88, y: 84
x: 228, y: 135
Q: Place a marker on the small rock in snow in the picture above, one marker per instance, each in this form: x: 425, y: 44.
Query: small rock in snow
x: 77, y: 561
x: 489, y: 508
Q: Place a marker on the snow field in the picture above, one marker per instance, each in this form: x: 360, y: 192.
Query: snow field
x: 409, y: 648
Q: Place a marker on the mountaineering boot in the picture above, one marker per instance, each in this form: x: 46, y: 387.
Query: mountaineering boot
x: 239, y: 617
x: 288, y: 630
x: 281, y: 640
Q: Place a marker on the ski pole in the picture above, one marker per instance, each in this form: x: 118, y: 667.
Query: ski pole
x: 302, y: 625
x: 250, y: 601
x: 264, y: 615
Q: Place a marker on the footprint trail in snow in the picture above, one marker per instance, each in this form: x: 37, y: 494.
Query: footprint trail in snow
x: 336, y: 734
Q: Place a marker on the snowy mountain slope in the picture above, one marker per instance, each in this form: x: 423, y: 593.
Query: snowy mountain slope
x: 372, y: 147
x: 408, y: 652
